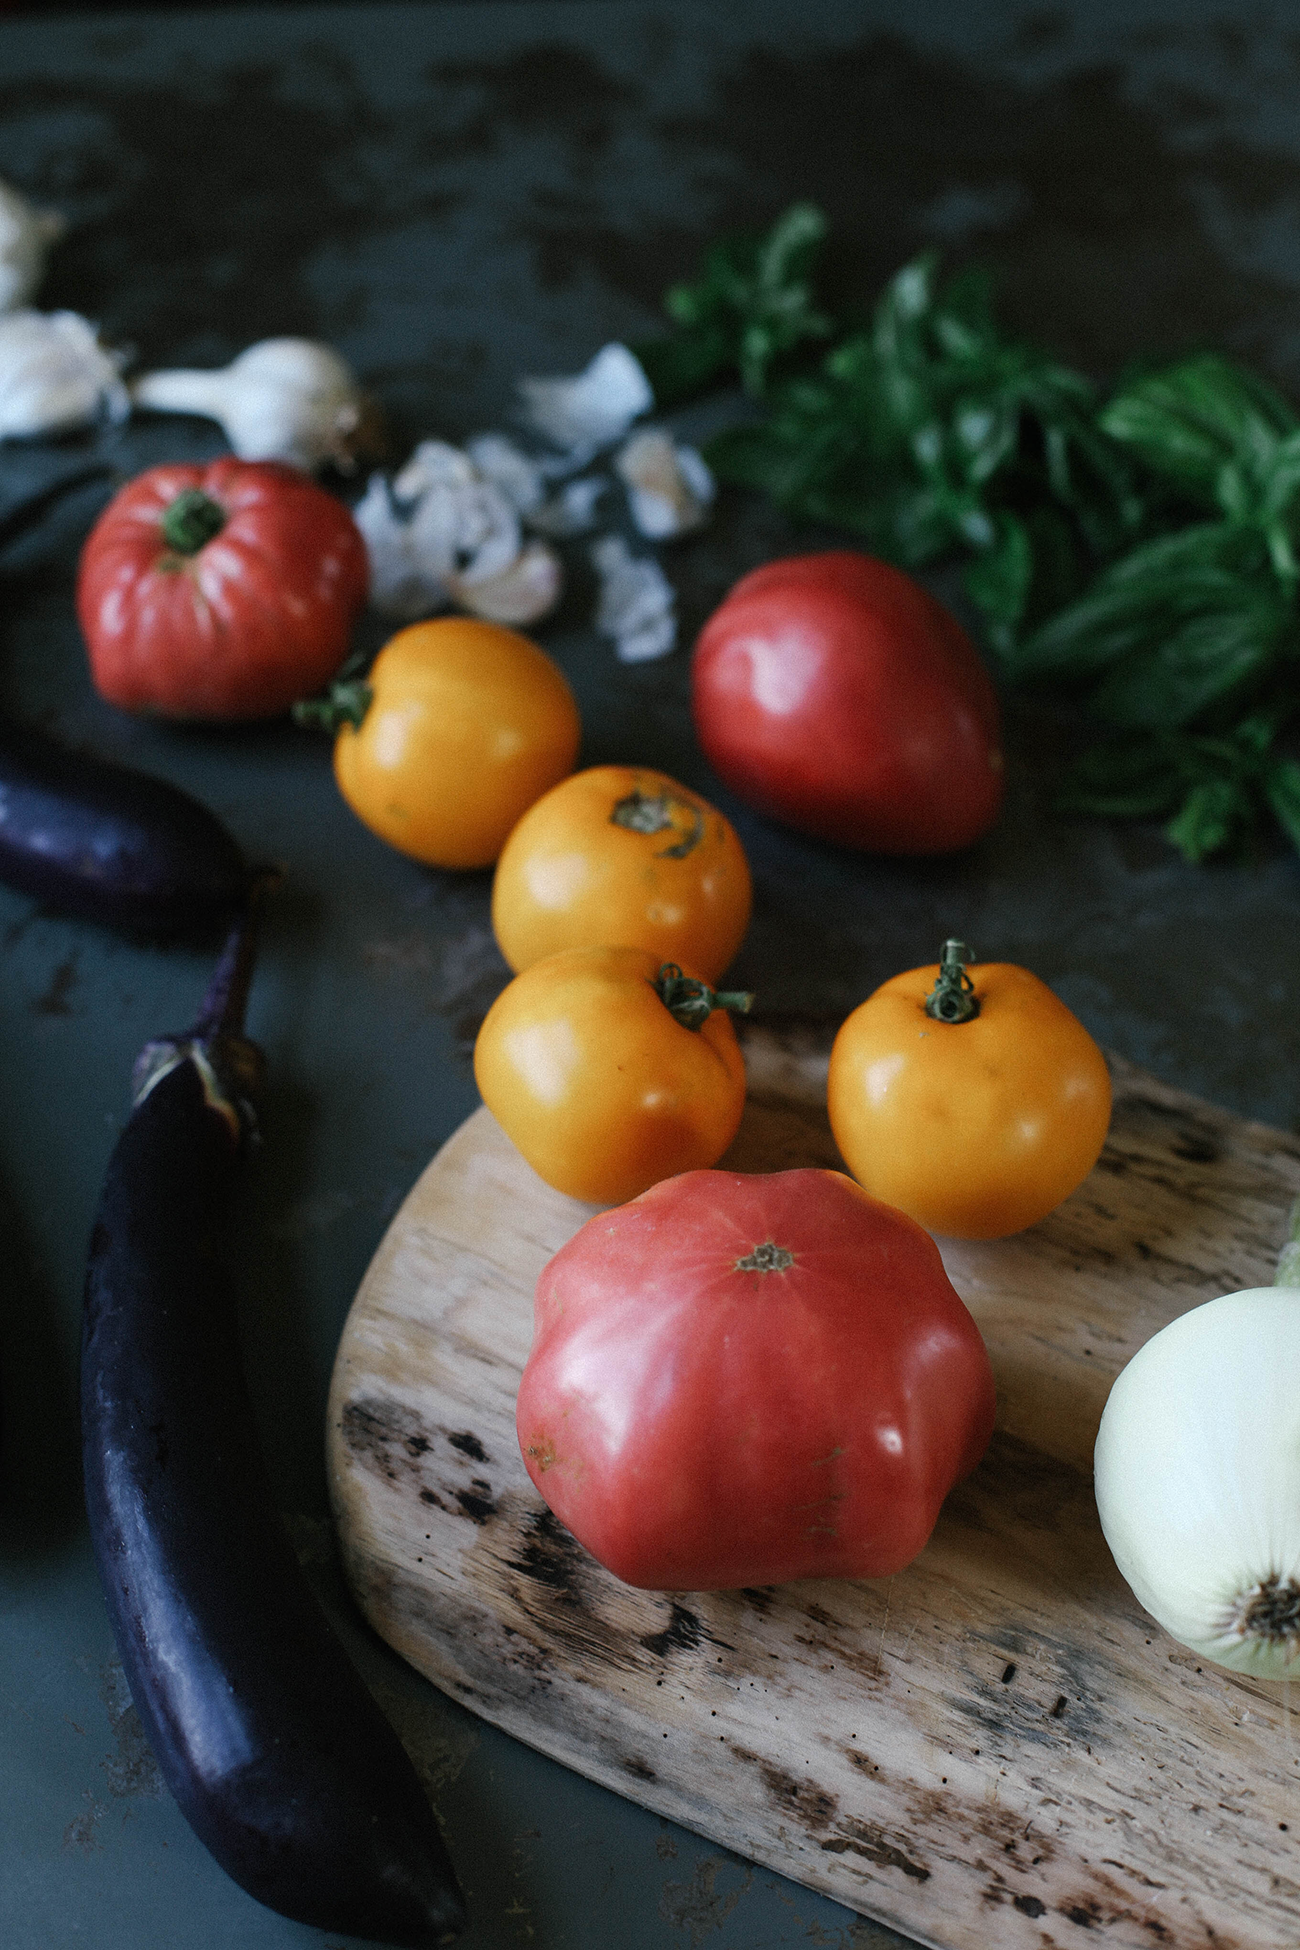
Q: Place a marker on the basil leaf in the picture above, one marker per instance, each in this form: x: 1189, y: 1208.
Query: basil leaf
x: 1281, y: 782
x: 1134, y: 603
x: 752, y: 303
x: 998, y: 582
x: 1193, y: 419
x: 1196, y: 663
x: 1213, y: 815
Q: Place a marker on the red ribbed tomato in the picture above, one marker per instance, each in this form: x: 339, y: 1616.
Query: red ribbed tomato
x: 738, y: 1380
x: 835, y: 694
x: 220, y: 591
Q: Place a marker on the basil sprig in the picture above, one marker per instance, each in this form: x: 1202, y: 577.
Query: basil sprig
x: 1138, y: 553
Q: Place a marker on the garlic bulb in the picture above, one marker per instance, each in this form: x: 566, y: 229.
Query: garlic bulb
x: 26, y: 235
x: 1197, y: 1476
x: 592, y: 408
x: 55, y: 375
x: 282, y: 399
x: 669, y: 487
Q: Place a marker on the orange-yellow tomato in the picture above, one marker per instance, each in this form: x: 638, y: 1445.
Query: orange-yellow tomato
x: 598, y: 1085
x: 975, y: 1129
x: 468, y: 723
x: 623, y: 856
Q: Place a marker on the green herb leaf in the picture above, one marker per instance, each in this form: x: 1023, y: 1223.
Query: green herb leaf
x: 1199, y: 418
x: 1281, y: 781
x: 752, y: 303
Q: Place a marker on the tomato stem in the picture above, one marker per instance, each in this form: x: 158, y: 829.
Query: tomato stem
x: 346, y: 702
x: 191, y: 521
x: 652, y: 812
x: 953, y: 998
x: 691, y: 1002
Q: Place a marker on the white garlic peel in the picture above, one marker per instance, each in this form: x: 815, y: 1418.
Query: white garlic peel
x: 637, y: 603
x: 593, y: 407
x: 1197, y: 1477
x: 26, y: 235
x: 669, y: 487
x: 55, y: 375
x: 282, y: 399
x: 444, y: 533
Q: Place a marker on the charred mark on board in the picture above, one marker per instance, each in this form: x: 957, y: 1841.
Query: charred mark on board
x: 860, y: 1838
x: 549, y: 1555
x: 469, y: 1445
x: 683, y: 1633
x: 477, y: 1502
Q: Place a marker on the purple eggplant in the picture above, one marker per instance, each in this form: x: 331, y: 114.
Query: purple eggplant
x: 277, y: 1754
x: 91, y: 838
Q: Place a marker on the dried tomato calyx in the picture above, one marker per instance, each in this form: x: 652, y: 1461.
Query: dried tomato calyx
x: 652, y: 812
x: 691, y: 1002
x: 191, y: 521
x: 346, y: 702
x: 767, y: 1258
x: 953, y: 998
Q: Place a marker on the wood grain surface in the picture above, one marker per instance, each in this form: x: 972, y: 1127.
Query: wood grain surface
x: 995, y: 1747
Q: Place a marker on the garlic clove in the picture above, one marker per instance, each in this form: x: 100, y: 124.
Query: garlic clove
x: 434, y: 464
x: 670, y: 488
x: 519, y: 476
x: 55, y: 375
x: 400, y: 586
x: 26, y: 235
x: 283, y: 399
x: 525, y: 590
x: 592, y: 408
x: 637, y: 604
x: 573, y: 510
x: 444, y: 533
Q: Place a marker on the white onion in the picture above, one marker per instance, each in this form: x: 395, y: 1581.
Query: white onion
x: 1197, y: 1476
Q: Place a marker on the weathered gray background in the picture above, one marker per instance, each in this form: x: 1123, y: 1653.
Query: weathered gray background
x: 454, y: 195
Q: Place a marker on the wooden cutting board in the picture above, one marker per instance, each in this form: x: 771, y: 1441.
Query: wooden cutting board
x: 996, y: 1746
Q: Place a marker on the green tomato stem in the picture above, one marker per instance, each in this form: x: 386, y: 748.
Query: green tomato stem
x: 191, y: 521
x: 346, y: 702
x: 690, y: 1002
x: 953, y: 998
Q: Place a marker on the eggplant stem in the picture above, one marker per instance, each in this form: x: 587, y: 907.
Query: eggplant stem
x: 223, y: 1008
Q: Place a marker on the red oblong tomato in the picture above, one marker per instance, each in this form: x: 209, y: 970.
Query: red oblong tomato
x: 835, y: 694
x: 224, y: 591
x: 739, y: 1380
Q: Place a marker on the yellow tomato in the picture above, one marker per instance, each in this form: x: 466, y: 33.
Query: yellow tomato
x: 974, y: 1128
x: 466, y: 725
x: 599, y: 1086
x: 619, y: 855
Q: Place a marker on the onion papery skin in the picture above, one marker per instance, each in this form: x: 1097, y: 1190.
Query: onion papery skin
x: 1197, y: 1472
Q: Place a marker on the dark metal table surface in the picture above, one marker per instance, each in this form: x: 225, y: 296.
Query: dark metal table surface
x: 455, y: 195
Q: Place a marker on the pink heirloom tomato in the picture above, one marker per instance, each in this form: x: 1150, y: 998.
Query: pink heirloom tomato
x: 835, y: 694
x: 739, y: 1380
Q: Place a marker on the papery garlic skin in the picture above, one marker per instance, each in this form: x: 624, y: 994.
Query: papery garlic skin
x: 444, y: 533
x: 55, y: 375
x: 593, y: 407
x: 26, y: 235
x: 637, y: 605
x: 283, y: 399
x: 1197, y: 1479
x: 670, y: 488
